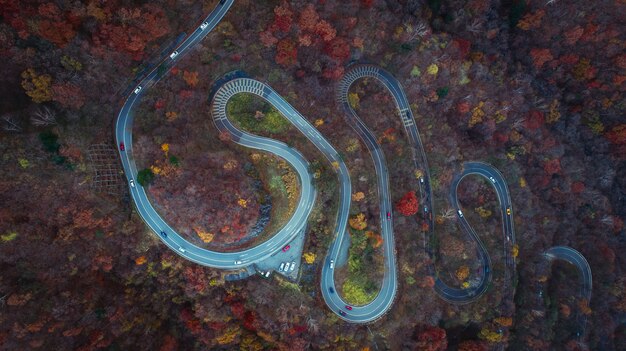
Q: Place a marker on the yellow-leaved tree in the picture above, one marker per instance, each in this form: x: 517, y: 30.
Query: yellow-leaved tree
x: 38, y: 87
x: 353, y: 100
x: 203, y: 235
x: 229, y: 335
x: 489, y: 335
x: 358, y: 222
x: 309, y: 257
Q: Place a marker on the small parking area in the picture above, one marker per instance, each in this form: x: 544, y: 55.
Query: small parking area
x: 289, y: 260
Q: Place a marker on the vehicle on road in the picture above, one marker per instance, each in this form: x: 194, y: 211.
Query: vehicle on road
x: 492, y: 180
x: 138, y: 90
x: 422, y: 180
x: 238, y: 262
x: 286, y: 248
x: 388, y: 215
x: 180, y: 248
x: 332, y: 264
x: 174, y: 54
x: 342, y: 313
x: 425, y: 208
x: 282, y: 265
x: 348, y: 307
x: 204, y: 25
x: 132, y: 183
x: 487, y: 269
x: 122, y: 148
x: 293, y: 266
x: 540, y: 293
x: 267, y: 274
x: 460, y: 213
x: 163, y: 234
x: 508, y: 211
x: 332, y: 291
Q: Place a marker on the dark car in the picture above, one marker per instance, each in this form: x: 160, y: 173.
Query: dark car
x: 332, y: 291
x: 286, y: 248
x: 122, y: 148
x: 388, y: 215
x: 348, y: 307
x: 342, y: 313
x: 163, y: 234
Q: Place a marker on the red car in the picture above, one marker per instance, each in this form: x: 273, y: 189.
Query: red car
x: 286, y: 248
x: 122, y: 146
x: 388, y: 215
x: 349, y: 308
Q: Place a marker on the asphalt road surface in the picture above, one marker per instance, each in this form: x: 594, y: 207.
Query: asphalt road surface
x: 495, y: 178
x: 226, y: 260
x: 574, y: 257
x: 385, y: 298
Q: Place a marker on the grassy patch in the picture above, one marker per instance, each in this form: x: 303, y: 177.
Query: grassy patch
x: 361, y: 286
x: 255, y: 115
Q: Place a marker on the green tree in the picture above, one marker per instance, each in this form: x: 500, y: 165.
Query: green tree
x: 49, y: 141
x: 145, y: 177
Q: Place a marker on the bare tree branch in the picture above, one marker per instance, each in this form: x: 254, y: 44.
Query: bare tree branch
x: 44, y: 117
x: 10, y: 124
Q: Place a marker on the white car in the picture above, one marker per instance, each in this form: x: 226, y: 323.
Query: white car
x: 293, y: 266
x: 132, y: 183
x: 282, y: 265
x: 204, y: 25
x: 138, y: 90
x: 238, y: 262
x: 492, y: 180
x: 332, y: 264
x: 174, y: 54
x: 180, y: 248
x: 460, y: 213
x: 422, y: 180
x: 267, y: 274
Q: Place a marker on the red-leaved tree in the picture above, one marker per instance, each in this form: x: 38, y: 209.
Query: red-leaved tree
x: 408, y: 204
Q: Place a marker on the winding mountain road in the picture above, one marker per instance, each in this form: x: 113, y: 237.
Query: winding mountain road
x: 495, y: 178
x: 230, y: 260
x: 224, y: 260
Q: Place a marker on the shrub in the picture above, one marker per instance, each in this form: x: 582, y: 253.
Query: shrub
x: 145, y: 177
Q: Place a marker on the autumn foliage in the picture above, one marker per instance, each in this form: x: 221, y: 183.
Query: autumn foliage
x: 37, y: 86
x: 617, y: 135
x: 358, y: 222
x: 286, y: 53
x: 430, y: 338
x: 408, y: 204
